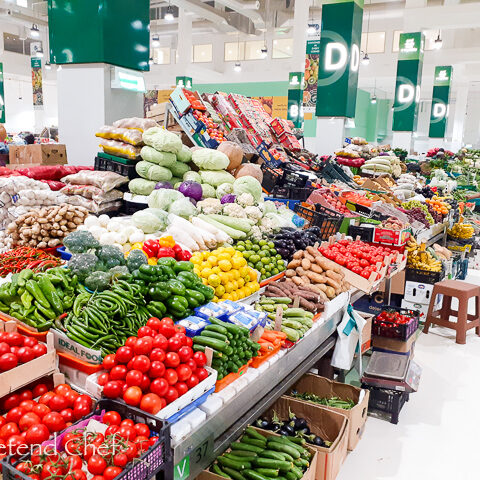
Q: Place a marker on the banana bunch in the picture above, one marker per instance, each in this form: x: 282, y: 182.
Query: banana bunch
x: 461, y: 230
x: 411, y: 245
x: 423, y: 260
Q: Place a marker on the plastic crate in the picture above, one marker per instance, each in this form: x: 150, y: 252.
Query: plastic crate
x: 423, y: 276
x: 293, y: 193
x: 125, y: 161
x: 365, y: 233
x: 106, y: 164
x: 156, y: 459
x: 129, y: 208
x: 328, y: 220
x: 270, y: 178
x: 386, y: 400
x: 384, y: 328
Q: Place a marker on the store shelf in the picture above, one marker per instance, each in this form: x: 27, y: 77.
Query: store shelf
x: 202, y: 445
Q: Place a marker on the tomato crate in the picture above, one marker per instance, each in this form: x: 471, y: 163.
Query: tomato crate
x: 389, y: 329
x: 386, y: 400
x: 158, y: 458
x: 328, y: 220
x: 365, y: 233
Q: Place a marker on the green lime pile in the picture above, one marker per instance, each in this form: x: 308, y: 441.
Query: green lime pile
x: 262, y: 256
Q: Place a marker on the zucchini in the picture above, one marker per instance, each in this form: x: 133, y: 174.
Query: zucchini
x: 273, y: 455
x: 271, y: 463
x: 242, y: 453
x: 294, y: 312
x: 216, y: 328
x: 291, y: 324
x: 250, y: 431
x: 246, y: 447
x: 240, y: 459
x: 211, y: 342
x: 253, y: 475
x: 254, y: 441
x: 216, y: 469
x: 292, y: 334
x: 283, y: 447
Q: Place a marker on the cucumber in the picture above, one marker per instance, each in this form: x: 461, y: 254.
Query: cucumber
x: 297, y: 440
x: 211, y: 342
x: 228, y: 462
x: 233, y: 473
x: 272, y: 455
x: 216, y: 469
x: 267, y: 472
x: 251, y: 432
x: 253, y: 475
x: 282, y: 447
x: 218, y: 336
x: 270, y: 463
x: 301, y: 463
x: 201, y: 348
x: 245, y: 447
x: 285, y: 300
x: 294, y: 312
x: 254, y: 441
x: 239, y: 459
x: 298, y: 472
x: 216, y: 328
x: 291, y: 324
x: 242, y: 453
x: 290, y: 476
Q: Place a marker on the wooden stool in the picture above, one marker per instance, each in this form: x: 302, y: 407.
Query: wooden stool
x: 463, y: 291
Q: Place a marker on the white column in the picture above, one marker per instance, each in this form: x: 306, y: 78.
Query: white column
x: 329, y: 136
x: 471, y: 134
x: 457, y: 117
x: 184, y: 42
x: 300, y: 24
x: 403, y: 140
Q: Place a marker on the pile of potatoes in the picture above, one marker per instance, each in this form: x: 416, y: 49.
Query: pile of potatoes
x: 310, y: 268
x: 45, y: 227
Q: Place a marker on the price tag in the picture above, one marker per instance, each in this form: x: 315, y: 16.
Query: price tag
x: 209, y: 355
x: 296, y: 302
x: 278, y: 319
x: 257, y: 333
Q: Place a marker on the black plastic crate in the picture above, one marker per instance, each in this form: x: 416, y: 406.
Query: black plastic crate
x: 129, y: 208
x: 423, y: 276
x: 108, y: 165
x: 328, y: 220
x: 365, y: 233
x: 157, y: 460
x: 294, y: 179
x: 292, y: 193
x: 271, y: 178
x: 386, y: 400
x: 384, y: 328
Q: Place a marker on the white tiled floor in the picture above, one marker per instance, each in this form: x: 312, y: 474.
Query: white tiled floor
x: 437, y: 434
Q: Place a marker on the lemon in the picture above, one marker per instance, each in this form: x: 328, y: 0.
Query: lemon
x: 216, y: 270
x: 234, y: 296
x: 224, y: 256
x: 206, y: 272
x: 235, y: 273
x: 215, y: 299
x: 220, y: 291
x: 244, y: 271
x: 241, y: 282
x: 204, y: 265
x: 235, y: 285
x: 227, y: 296
x: 238, y: 262
x: 225, y: 265
x: 230, y: 250
x: 196, y: 259
x: 229, y: 287
x: 212, y: 260
x: 214, y: 280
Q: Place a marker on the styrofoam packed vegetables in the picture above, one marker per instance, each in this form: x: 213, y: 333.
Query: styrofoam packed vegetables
x: 46, y: 227
x: 383, y: 164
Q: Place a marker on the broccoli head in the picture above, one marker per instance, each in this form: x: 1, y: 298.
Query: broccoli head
x: 82, y: 265
x: 119, y: 272
x: 98, y: 281
x: 135, y: 259
x: 109, y: 257
x: 80, y: 241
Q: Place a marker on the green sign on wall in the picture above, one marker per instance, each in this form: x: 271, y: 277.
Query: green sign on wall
x: 409, y: 77
x: 100, y: 31
x: 440, y: 99
x: 184, y: 82
x: 2, y: 96
x: 339, y: 59
x: 295, y: 98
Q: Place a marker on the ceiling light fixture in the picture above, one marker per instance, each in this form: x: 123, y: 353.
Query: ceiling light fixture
x: 155, y: 41
x: 48, y: 66
x: 34, y: 31
x: 237, y: 67
x: 169, y: 15
x: 365, y: 59
x: 373, y: 99
x: 438, y: 42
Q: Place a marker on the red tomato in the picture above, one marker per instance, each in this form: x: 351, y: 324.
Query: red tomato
x: 11, y: 401
x: 120, y: 460
x: 118, y: 372
x: 14, y: 339
x: 183, y: 372
x: 159, y: 386
x: 157, y: 369
x: 181, y: 388
x: 27, y: 405
x: 157, y: 354
x: 142, y: 429
x: 74, y: 462
x: 127, y: 423
x: 185, y: 353
x: 14, y: 350
x: 39, y: 390
x: 28, y: 420
x: 151, y: 403
x: 112, y: 429
x: 124, y: 354
x: 15, y: 414
x: 111, y: 472
x: 25, y: 354
x: 8, y: 430
x: 174, y: 344
x: 14, y: 443
x: 96, y: 465
x: 29, y: 342
x: 132, y: 396
x: 39, y: 349
x: 103, y: 379
x: 145, y: 383
x: 171, y: 376
x: 8, y: 361
x: 109, y: 361
x: 142, y: 444
x: 200, y: 359
x: 134, y: 378
x: 71, y: 396
x: 128, y: 433
x: 62, y: 389
x: 81, y: 408
x: 188, y: 342
x: 192, y: 381
x: 54, y: 422
x: 76, y: 474
x: 141, y: 362
x: 153, y: 323
x: 160, y: 341
x: 167, y: 330
x: 145, y: 331
x: 67, y: 415
x: 171, y: 395
x: 57, y: 403
x: 2, y: 421
x: 41, y: 409
x: 4, y: 348
x: 112, y: 418
x: 202, y: 374
x: 143, y: 346
x: 172, y: 359
x: 191, y: 363
x: 130, y: 342
x: 153, y: 440
x: 97, y: 477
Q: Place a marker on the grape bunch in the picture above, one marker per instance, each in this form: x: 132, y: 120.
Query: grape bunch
x: 437, y: 217
x: 411, y: 204
x: 416, y: 214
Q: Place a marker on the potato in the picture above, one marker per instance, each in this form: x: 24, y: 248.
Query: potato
x: 315, y: 277
x: 336, y: 276
x: 316, y: 268
x: 298, y: 254
x: 306, y: 264
x: 308, y: 257
x: 294, y: 264
x: 297, y: 280
x: 330, y: 292
x: 301, y: 272
x: 290, y: 273
x: 313, y: 251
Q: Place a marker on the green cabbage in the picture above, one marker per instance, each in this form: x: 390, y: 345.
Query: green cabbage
x: 184, y: 155
x: 164, y: 159
x: 147, y: 221
x: 248, y: 184
x: 194, y: 176
x: 216, y: 177
x: 179, y: 169
x: 175, y: 180
x: 140, y: 186
x: 209, y: 159
x: 150, y: 171
x: 163, y: 198
x: 183, y: 208
x: 162, y: 140
x: 208, y: 191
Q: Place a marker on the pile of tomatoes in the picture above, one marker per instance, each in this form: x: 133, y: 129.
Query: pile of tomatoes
x: 359, y: 257
x: 30, y: 422
x: 213, y: 129
x: 16, y: 348
x: 103, y: 455
x: 155, y: 368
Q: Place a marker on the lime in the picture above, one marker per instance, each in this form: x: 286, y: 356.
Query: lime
x: 246, y: 255
x: 275, y: 272
x: 264, y: 253
x: 263, y: 271
x: 255, y: 248
x: 255, y: 258
x: 240, y: 248
x: 262, y: 243
x: 265, y: 260
x: 271, y: 245
x: 278, y: 256
x: 268, y: 267
x: 259, y: 265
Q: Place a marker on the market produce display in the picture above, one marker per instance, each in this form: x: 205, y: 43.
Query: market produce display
x: 18, y: 259
x: 421, y: 258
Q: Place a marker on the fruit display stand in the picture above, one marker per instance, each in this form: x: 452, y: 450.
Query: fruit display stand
x: 206, y: 432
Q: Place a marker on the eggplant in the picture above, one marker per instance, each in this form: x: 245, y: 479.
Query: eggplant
x: 300, y: 424
x: 304, y: 431
x: 289, y: 429
x: 262, y: 423
x: 282, y: 431
x: 318, y: 441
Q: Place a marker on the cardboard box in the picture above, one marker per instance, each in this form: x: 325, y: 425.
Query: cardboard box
x: 418, y: 292
x: 323, y: 387
x: 21, y: 166
x: 64, y: 344
x: 366, y: 332
x: 325, y: 423
x: 376, y: 302
x: 397, y: 284
x: 45, y: 154
x: 422, y: 308
x: 393, y: 344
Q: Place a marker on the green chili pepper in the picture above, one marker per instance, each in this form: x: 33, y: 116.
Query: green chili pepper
x: 50, y: 293
x: 26, y: 299
x: 23, y: 276
x: 37, y: 293
x: 48, y: 312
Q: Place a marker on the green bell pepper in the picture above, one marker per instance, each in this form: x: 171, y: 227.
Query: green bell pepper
x: 207, y: 291
x: 167, y: 272
x: 176, y: 287
x: 194, y: 298
x: 157, y: 309
x: 177, y: 305
x: 159, y: 291
x: 183, y: 267
x: 189, y: 279
x: 167, y: 261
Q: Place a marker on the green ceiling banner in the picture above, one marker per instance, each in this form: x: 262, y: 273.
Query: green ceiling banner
x: 339, y: 59
x: 2, y: 96
x: 440, y: 99
x: 409, y: 77
x: 100, y: 31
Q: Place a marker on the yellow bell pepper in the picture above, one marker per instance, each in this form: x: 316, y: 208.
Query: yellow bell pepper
x: 152, y: 260
x: 167, y: 241
x: 137, y: 246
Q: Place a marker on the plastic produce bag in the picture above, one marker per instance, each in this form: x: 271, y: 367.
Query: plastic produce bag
x: 348, y: 341
x: 131, y: 136
x: 92, y: 193
x: 120, y: 149
x: 141, y: 124
x: 105, y: 180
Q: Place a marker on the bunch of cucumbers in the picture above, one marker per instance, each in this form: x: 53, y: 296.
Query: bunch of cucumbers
x: 256, y: 457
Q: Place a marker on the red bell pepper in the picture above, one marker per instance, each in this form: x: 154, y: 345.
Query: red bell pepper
x: 178, y: 251
x: 185, y: 256
x: 165, y: 252
x: 151, y: 247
